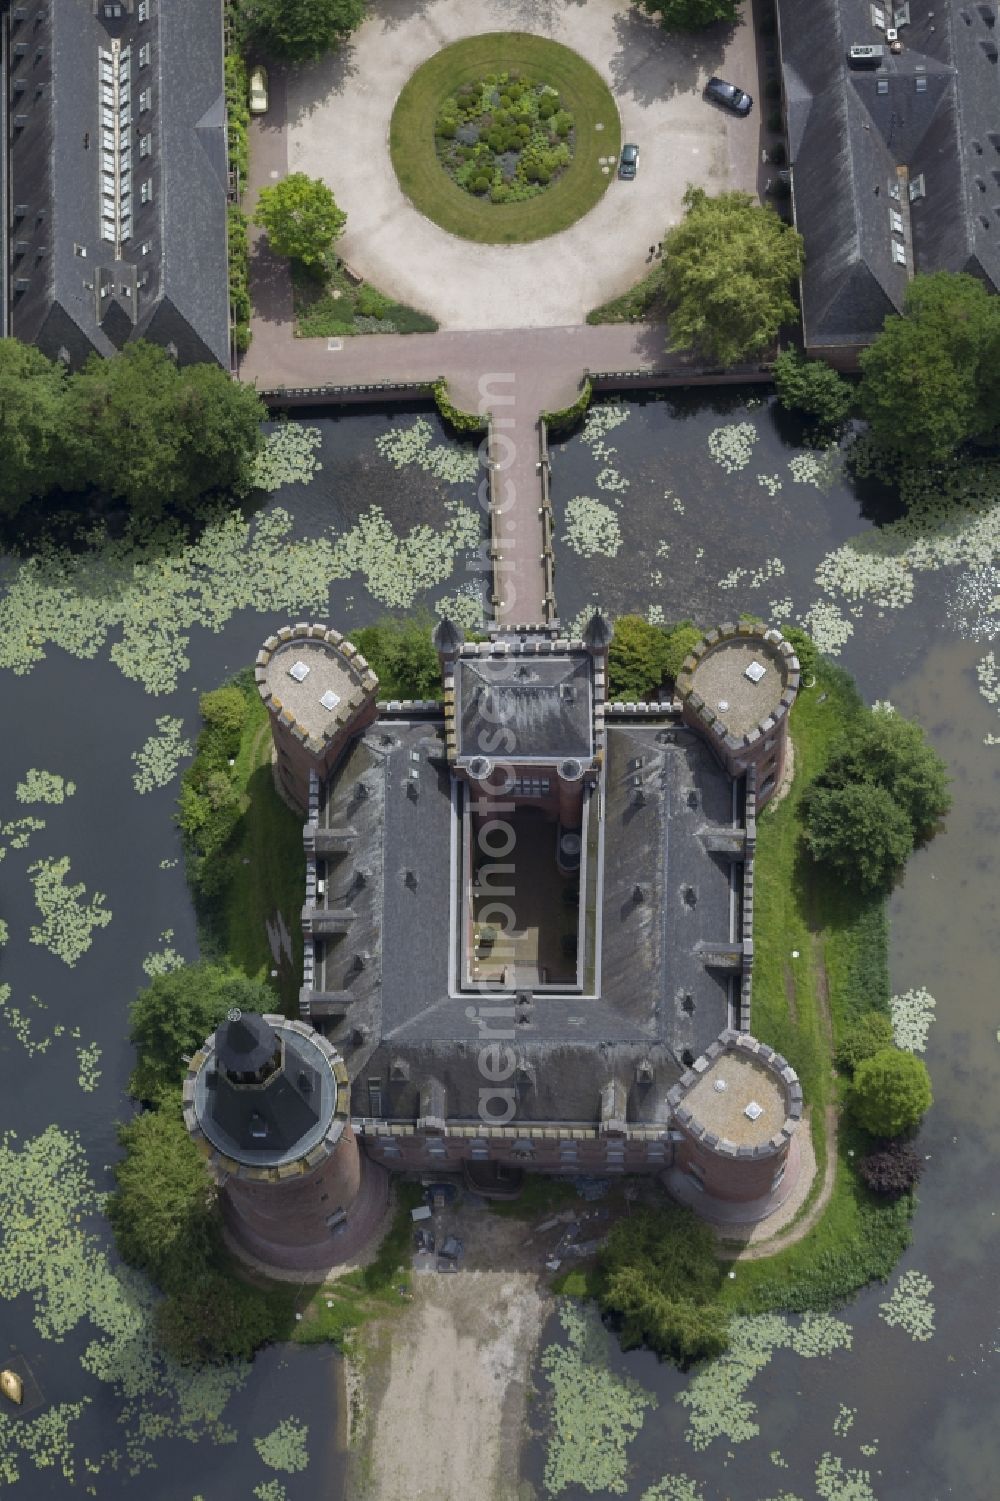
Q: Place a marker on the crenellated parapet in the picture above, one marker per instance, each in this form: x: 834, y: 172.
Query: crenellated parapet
x: 736, y: 689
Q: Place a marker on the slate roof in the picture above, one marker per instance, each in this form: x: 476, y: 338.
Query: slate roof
x: 264, y: 1124
x: 544, y: 704
x: 176, y: 292
x: 406, y: 1027
x: 847, y: 141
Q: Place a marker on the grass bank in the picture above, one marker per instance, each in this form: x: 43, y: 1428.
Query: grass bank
x: 582, y: 91
x: 254, y: 876
x: 643, y: 303
x: 329, y: 304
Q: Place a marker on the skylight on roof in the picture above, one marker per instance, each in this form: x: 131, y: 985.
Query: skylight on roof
x: 899, y: 253
x: 753, y: 1111
x: 330, y: 700
x: 755, y: 671
x: 299, y: 671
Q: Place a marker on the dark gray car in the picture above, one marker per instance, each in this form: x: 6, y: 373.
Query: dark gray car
x: 729, y: 96
x: 628, y: 162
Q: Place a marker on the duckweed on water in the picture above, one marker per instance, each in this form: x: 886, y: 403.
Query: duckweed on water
x: 287, y: 458
x: 770, y: 482
x: 595, y: 1414
x: 163, y: 961
x: 270, y: 1490
x: 90, y: 1075
x: 818, y: 469
x: 912, y: 1014
x: 828, y: 628
x: 674, y: 1488
x: 465, y: 607
x: 974, y: 605
x: 592, y: 527
x: 18, y: 832
x: 154, y: 584
x: 714, y: 1398
x: 909, y: 1306
x: 22, y: 1026
x: 834, y: 1483
x: 732, y: 445
x: 43, y: 1441
x: 456, y: 463
x: 3, y: 933
x: 43, y: 787
x: 285, y: 1447
x: 844, y: 1421
x: 755, y: 577
x: 609, y: 478
x: 160, y: 755
x: 68, y: 921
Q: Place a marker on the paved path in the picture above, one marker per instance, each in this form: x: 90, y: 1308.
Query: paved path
x: 338, y: 114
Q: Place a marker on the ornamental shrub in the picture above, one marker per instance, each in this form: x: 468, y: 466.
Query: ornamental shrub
x: 371, y: 303
x: 637, y: 658
x: 812, y: 387
x: 870, y: 1034
x: 892, y: 1170
x: 891, y: 1092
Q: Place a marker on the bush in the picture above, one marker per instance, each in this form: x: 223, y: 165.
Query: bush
x: 371, y: 303
x: 638, y: 659
x: 681, y: 642
x: 870, y: 1034
x: 892, y: 1170
x: 173, y: 1015
x: 805, y: 650
x: 402, y: 656
x: 224, y: 712
x: 812, y: 387
x: 891, y: 1092
x: 214, y: 1317
x: 659, y: 1280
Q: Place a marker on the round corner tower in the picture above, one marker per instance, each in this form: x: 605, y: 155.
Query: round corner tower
x: 736, y: 689
x: 267, y: 1101
x: 736, y: 1111
x: 320, y: 693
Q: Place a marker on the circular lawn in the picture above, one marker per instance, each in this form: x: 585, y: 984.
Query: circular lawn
x: 535, y: 60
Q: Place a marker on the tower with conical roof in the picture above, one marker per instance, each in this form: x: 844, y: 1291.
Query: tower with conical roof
x: 267, y: 1100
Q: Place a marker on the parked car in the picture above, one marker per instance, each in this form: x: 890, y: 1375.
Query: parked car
x: 258, y: 91
x: 729, y: 96
x: 628, y: 162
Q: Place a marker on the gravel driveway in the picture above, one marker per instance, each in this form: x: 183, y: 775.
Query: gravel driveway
x: 338, y: 114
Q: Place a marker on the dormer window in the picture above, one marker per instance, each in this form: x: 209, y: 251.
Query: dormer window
x: 143, y: 10
x: 898, y: 253
x: 145, y: 99
x: 144, y: 54
x: 145, y: 145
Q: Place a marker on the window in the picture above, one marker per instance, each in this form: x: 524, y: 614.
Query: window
x: 146, y: 191
x: 145, y: 98
x: 894, y: 188
x: 144, y: 51
x: 898, y: 253
x: 921, y: 83
x: 917, y: 188
x: 878, y: 18
x: 896, y: 221
x: 531, y: 787
x: 145, y: 145
x: 882, y: 87
x: 375, y: 1096
x: 80, y: 250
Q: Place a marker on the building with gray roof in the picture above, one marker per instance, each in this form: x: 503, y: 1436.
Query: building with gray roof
x: 117, y: 177
x: 892, y: 114
x: 528, y: 915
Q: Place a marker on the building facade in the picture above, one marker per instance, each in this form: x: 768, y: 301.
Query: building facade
x: 116, y: 177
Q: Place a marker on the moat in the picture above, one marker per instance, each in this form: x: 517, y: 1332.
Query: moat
x: 687, y: 507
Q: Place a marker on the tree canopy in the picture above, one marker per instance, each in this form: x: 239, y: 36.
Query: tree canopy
x: 298, y: 30
x: 691, y: 15
x: 930, y: 380
x: 176, y: 1012
x: 660, y: 1278
x: 301, y: 218
x: 729, y: 270
x: 859, y: 831
x: 813, y: 388
x: 643, y: 656
x: 164, y: 1211
x: 32, y: 395
x: 135, y: 428
x: 402, y: 656
x: 892, y: 752
x: 891, y: 1092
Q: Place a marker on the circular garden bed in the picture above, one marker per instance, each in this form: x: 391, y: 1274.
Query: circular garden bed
x: 505, y: 137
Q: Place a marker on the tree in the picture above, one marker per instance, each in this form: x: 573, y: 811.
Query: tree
x: 691, y: 15
x: 402, y: 656
x: 812, y: 387
x: 298, y: 30
x: 892, y: 1170
x: 171, y: 1018
x: 681, y: 642
x: 301, y: 218
x: 729, y: 269
x: 214, y: 1317
x: 164, y: 1212
x: 32, y: 394
x: 638, y: 658
x: 805, y: 649
x: 891, y: 752
x: 930, y: 378
x: 859, y: 831
x: 224, y: 712
x: 141, y: 430
x: 865, y: 1037
x: 891, y: 1092
x: 660, y: 1280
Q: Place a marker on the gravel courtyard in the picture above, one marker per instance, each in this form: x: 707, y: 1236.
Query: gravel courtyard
x: 338, y: 114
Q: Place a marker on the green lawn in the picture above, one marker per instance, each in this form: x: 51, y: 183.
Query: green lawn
x: 268, y: 869
x: 330, y: 304
x: 584, y: 94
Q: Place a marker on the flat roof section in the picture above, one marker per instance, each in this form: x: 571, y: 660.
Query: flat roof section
x: 544, y: 703
x: 748, y: 1084
x: 307, y: 696
x: 720, y: 678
